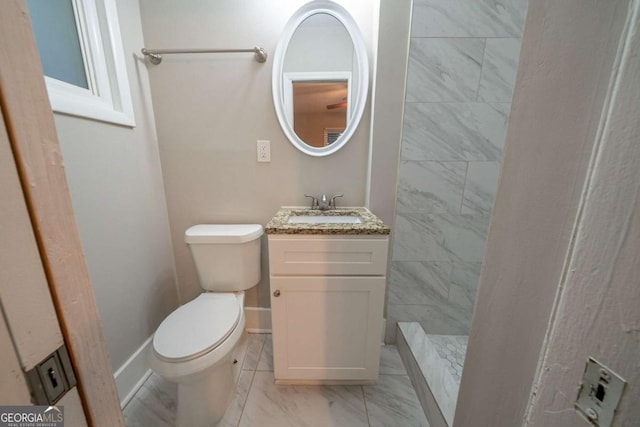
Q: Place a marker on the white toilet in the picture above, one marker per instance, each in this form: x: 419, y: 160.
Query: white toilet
x: 201, y: 345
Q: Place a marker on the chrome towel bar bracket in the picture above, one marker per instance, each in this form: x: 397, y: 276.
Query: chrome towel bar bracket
x: 155, y: 55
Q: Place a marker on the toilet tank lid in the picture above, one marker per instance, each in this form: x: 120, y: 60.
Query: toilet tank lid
x: 223, y: 233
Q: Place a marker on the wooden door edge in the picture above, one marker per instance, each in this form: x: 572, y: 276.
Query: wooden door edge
x: 32, y: 132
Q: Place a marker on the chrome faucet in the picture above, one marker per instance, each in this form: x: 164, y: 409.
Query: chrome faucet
x: 332, y: 202
x: 314, y: 202
x: 324, y: 203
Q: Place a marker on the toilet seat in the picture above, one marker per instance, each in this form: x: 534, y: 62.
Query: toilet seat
x: 198, y: 327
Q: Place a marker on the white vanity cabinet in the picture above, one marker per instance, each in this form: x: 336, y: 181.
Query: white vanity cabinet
x: 327, y: 298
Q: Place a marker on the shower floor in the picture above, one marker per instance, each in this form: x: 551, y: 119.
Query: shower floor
x: 435, y: 366
x: 451, y: 349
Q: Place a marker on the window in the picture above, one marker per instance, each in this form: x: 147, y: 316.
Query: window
x: 82, y: 58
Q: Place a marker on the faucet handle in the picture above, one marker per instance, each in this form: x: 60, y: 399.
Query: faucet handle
x: 332, y: 202
x: 314, y: 202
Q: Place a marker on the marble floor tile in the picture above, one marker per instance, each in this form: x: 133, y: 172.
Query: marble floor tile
x: 259, y: 402
x: 390, y: 361
x: 444, y: 69
x: 499, y: 69
x: 454, y: 131
x: 154, y: 404
x: 254, y: 351
x: 453, y: 349
x: 234, y: 411
x: 266, y: 358
x: 468, y: 18
x: 270, y: 405
x: 393, y: 402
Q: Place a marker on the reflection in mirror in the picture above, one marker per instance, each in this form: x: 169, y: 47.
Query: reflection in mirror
x: 320, y: 78
x: 317, y: 70
x: 320, y: 43
x: 319, y: 111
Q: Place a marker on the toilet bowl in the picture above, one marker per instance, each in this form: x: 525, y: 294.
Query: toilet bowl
x: 201, y: 345
x: 205, y: 366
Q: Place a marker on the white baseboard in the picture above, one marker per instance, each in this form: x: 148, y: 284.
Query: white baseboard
x: 133, y: 373
x: 258, y: 320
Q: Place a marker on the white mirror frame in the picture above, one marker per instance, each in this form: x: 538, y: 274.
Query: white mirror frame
x: 359, y: 93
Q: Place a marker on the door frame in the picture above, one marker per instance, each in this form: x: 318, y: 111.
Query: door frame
x: 36, y: 151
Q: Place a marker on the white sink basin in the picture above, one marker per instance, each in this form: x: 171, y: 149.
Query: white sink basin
x: 324, y: 219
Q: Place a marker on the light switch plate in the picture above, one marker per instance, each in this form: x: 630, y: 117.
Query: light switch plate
x: 599, y: 394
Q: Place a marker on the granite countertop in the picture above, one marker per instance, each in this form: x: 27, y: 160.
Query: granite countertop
x: 371, y: 224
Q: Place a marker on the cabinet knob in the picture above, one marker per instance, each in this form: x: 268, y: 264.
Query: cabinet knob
x: 276, y: 293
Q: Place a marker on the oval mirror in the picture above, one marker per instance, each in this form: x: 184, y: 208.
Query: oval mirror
x: 320, y: 78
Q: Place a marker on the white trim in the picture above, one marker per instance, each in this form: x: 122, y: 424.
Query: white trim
x: 108, y: 98
x: 110, y: 25
x: 80, y: 18
x: 359, y: 99
x: 133, y: 373
x: 258, y: 320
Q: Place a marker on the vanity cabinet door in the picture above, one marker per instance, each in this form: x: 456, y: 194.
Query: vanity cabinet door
x: 327, y: 328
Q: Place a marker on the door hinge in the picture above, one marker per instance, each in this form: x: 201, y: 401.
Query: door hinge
x: 52, y: 378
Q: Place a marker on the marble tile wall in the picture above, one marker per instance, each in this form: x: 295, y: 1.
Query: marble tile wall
x: 463, y: 56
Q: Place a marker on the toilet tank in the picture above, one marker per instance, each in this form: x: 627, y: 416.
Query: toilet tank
x: 227, y: 256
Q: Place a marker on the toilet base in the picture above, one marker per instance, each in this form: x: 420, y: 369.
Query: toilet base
x: 202, y: 403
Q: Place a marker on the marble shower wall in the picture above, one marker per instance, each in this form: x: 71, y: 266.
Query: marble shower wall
x: 463, y: 57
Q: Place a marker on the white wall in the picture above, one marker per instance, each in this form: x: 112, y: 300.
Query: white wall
x: 567, y: 55
x: 116, y: 187
x: 388, y: 106
x: 597, y: 306
x: 211, y: 109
